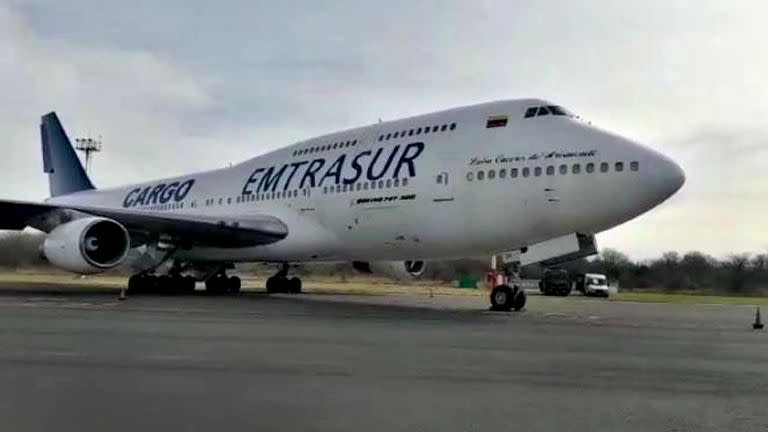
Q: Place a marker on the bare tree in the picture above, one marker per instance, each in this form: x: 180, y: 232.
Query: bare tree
x: 737, y: 271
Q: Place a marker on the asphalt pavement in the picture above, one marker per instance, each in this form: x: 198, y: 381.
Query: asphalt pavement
x: 81, y: 360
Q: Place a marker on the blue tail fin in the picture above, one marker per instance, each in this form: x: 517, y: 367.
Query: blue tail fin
x: 65, y: 172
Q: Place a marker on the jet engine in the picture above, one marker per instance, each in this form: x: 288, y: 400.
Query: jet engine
x: 397, y: 270
x: 87, y: 246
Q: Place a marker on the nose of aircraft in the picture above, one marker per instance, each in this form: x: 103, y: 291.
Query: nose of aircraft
x: 669, y: 176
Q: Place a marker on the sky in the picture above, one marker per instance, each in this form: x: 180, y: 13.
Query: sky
x: 175, y: 86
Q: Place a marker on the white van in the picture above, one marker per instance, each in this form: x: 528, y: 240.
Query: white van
x: 592, y: 284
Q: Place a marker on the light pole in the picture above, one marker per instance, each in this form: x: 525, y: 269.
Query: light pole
x: 88, y: 146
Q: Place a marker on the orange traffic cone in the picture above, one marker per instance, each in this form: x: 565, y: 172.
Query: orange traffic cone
x: 758, y: 324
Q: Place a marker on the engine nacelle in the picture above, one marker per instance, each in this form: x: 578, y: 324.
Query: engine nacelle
x: 87, y: 246
x: 397, y: 270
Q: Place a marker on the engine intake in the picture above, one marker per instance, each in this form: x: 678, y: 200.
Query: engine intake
x: 88, y: 245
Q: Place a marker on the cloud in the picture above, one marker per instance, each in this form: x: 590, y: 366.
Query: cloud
x: 176, y: 86
x: 139, y: 102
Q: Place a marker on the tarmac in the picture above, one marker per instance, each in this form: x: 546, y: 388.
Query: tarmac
x: 81, y: 360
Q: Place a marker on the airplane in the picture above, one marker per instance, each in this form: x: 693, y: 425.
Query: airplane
x: 475, y: 180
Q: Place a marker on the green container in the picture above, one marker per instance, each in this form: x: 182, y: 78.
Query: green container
x: 467, y: 282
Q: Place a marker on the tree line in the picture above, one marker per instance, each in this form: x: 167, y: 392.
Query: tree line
x: 690, y: 271
x: 743, y: 273
x: 672, y: 271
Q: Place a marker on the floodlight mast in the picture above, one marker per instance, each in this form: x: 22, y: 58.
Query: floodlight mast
x: 88, y: 146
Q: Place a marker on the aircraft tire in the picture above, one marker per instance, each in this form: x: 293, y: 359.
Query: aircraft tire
x: 274, y: 284
x: 216, y: 285
x: 294, y: 285
x: 164, y: 285
x: 519, y: 300
x: 189, y: 284
x: 234, y: 284
x: 135, y: 284
x: 502, y: 298
x: 148, y: 284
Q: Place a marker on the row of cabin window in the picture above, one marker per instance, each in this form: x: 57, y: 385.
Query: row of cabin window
x: 163, y: 207
x: 550, y: 170
x: 380, y: 184
x: 373, y: 184
x: 257, y: 197
x: 417, y: 131
x: 326, y: 147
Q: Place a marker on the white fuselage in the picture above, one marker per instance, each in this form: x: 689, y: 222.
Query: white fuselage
x: 364, y: 194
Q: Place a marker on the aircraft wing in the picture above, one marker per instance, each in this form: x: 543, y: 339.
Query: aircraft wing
x: 184, y: 230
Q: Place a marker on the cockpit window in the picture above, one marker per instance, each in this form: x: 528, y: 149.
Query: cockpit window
x: 538, y: 111
x: 556, y: 110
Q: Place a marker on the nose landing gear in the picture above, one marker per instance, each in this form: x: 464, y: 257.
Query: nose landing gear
x: 505, y: 298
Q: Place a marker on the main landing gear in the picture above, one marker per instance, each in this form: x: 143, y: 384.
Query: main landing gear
x: 220, y: 283
x: 505, y: 298
x: 281, y: 283
x: 217, y: 283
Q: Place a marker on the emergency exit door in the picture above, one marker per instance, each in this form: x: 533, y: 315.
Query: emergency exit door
x: 443, y: 187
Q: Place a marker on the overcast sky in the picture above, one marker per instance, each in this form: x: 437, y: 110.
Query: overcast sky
x: 175, y: 86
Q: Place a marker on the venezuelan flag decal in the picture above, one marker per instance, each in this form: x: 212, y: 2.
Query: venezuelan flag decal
x: 496, y: 121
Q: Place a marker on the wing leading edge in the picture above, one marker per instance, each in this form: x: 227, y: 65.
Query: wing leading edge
x: 185, y: 230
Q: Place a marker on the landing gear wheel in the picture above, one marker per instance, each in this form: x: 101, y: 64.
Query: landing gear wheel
x: 189, y: 284
x: 518, y: 303
x: 136, y: 283
x: 275, y: 284
x: 216, y: 285
x: 175, y: 285
x: 165, y: 284
x: 502, y: 298
x: 234, y: 284
x: 294, y: 285
x: 147, y: 284
x: 183, y: 285
x: 280, y: 284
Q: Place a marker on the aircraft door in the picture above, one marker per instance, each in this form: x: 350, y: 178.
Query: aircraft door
x: 443, y: 187
x: 552, y: 187
x: 552, y: 211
